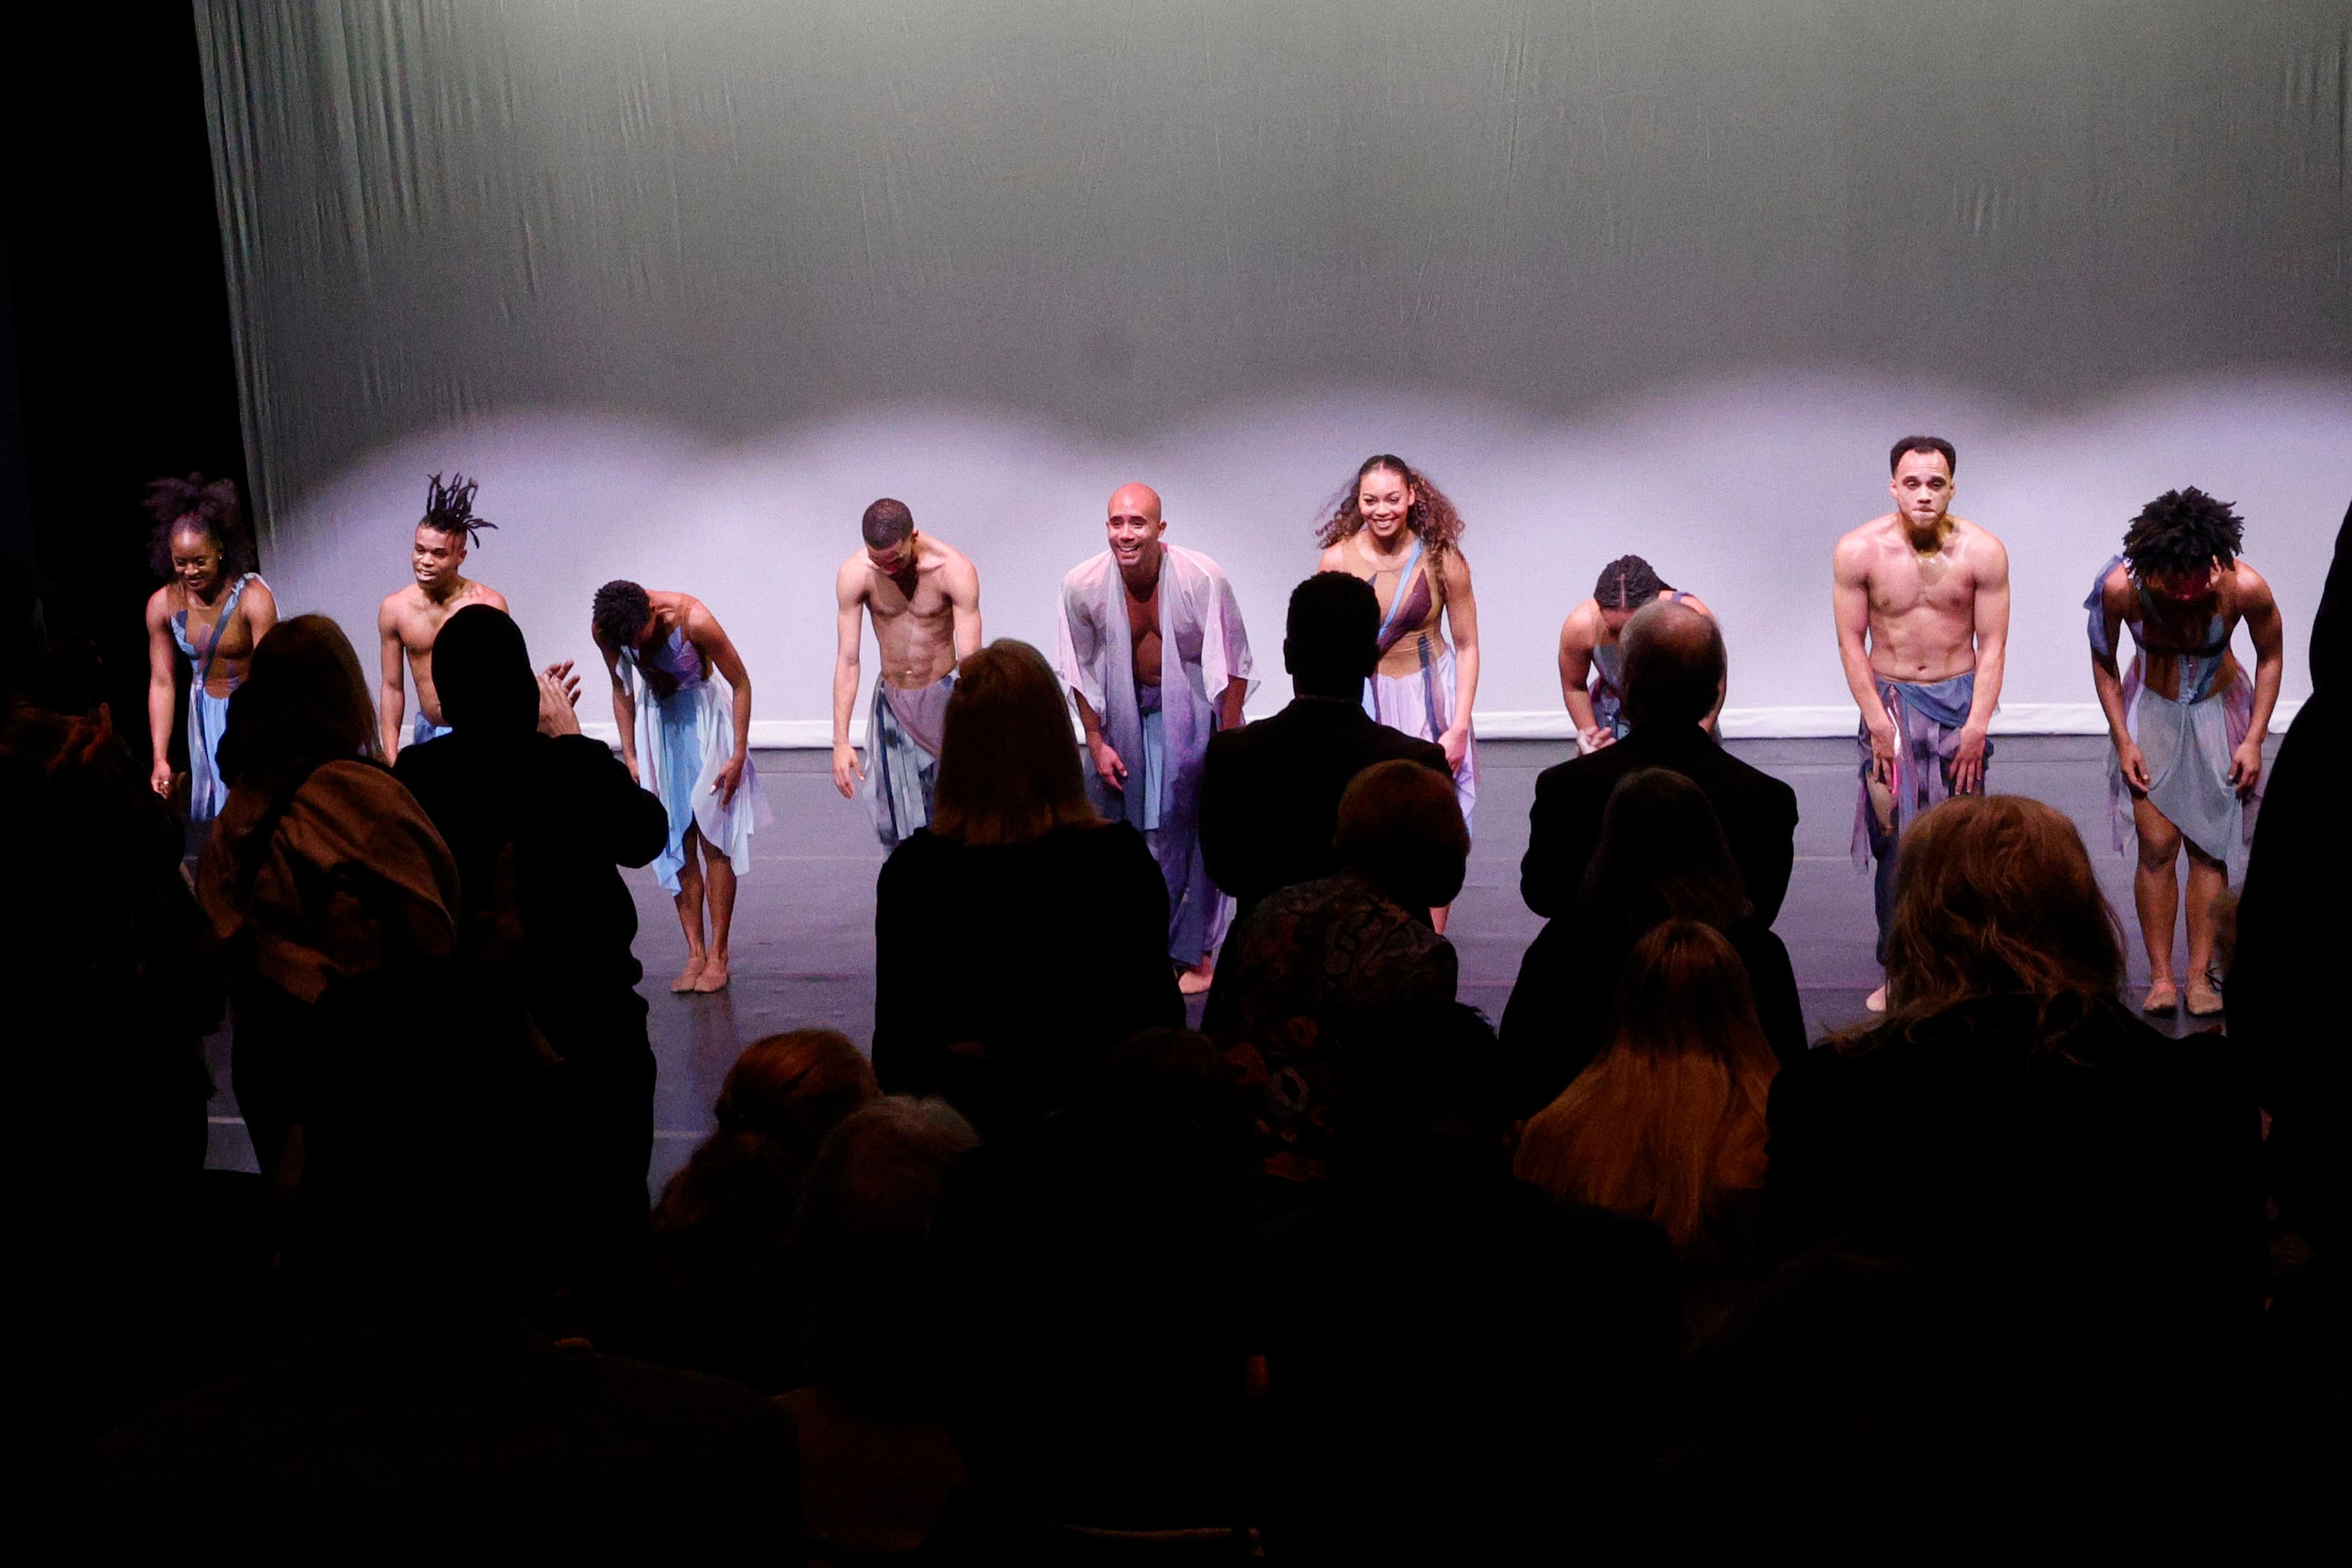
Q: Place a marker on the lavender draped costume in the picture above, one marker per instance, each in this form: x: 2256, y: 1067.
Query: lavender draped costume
x: 1164, y: 743
x: 2186, y: 740
x: 208, y: 714
x: 903, y: 731
x: 683, y: 740
x: 1422, y: 704
x: 1928, y: 718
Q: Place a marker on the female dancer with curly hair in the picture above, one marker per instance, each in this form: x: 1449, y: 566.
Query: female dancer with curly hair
x: 1397, y: 531
x: 214, y: 611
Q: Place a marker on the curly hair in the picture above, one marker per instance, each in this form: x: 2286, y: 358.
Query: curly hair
x: 2182, y: 531
x: 618, y: 615
x: 449, y: 509
x: 1629, y: 582
x: 1432, y: 517
x: 203, y: 506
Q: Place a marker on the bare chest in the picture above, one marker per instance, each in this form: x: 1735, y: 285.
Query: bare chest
x: 421, y: 620
x: 920, y: 597
x: 1904, y: 583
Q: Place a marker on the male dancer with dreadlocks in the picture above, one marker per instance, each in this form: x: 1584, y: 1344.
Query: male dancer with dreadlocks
x: 2188, y: 726
x: 1590, y: 649
x: 1921, y: 599
x: 411, y: 618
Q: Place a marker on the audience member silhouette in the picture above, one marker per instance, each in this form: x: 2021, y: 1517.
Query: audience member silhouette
x: 1018, y: 935
x: 1270, y: 790
x: 1668, y: 1124
x: 539, y: 816
x: 1848, y: 1415
x: 1661, y: 854
x: 325, y: 883
x: 1097, y: 1282
x: 2088, y: 1188
x: 727, y: 1301
x: 1316, y: 955
x: 1463, y: 1369
x: 422, y: 1418
x: 877, y: 1461
x: 1674, y: 671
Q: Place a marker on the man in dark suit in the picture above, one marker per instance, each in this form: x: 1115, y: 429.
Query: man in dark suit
x: 1270, y: 791
x: 1673, y: 674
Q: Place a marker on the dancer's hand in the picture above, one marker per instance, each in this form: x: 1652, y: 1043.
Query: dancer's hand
x: 1967, y: 760
x: 729, y: 778
x: 1882, y: 752
x: 159, y: 777
x: 629, y: 760
x: 849, y: 773
x: 2246, y: 765
x: 561, y: 675
x: 1456, y: 744
x: 1107, y: 767
x: 1600, y: 735
x: 2135, y: 766
x: 555, y: 714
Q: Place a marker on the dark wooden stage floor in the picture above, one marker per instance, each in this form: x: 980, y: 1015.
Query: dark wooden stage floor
x: 805, y: 923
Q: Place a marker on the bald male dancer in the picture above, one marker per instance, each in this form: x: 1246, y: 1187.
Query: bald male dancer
x: 1156, y: 659
x: 924, y: 598
x: 409, y: 618
x: 1921, y: 599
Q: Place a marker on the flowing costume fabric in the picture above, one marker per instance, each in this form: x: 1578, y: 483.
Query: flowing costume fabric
x: 1928, y: 718
x: 2186, y: 740
x: 1421, y: 704
x: 683, y: 740
x: 421, y: 730
x: 1161, y: 733
x: 208, y: 714
x: 903, y: 731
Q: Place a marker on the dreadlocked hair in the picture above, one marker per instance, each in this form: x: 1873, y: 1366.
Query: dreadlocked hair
x: 202, y: 506
x: 1629, y: 582
x: 449, y: 509
x: 1432, y: 517
x: 2182, y: 531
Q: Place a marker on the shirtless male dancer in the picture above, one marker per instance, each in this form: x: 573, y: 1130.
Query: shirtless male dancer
x: 924, y: 598
x: 1592, y: 649
x: 411, y: 617
x: 1921, y: 599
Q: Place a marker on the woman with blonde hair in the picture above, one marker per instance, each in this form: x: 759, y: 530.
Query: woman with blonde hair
x: 1019, y: 935
x: 1668, y: 1123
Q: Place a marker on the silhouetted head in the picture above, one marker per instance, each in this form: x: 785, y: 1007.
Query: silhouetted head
x: 1662, y: 854
x: 1008, y: 763
x: 482, y: 670
x: 1331, y: 641
x: 1401, y: 826
x: 304, y: 702
x: 1674, y: 666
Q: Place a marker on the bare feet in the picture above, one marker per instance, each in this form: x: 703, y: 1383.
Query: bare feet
x: 2162, y: 997
x: 2204, y: 998
x: 688, y: 976
x: 1875, y: 1002
x: 714, y: 974
x: 1196, y: 980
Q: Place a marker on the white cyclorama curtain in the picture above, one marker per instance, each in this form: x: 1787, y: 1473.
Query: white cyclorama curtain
x: 687, y: 284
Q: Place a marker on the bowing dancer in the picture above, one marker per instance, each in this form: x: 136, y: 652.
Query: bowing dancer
x: 214, y: 612
x: 681, y: 740
x: 1398, y: 531
x: 1154, y: 656
x: 2185, y: 723
x: 1591, y: 646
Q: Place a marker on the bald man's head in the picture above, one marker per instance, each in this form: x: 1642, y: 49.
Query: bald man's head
x: 1674, y: 666
x: 1134, y: 525
x: 1135, y: 501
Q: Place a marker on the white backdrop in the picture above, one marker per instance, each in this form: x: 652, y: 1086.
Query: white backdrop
x: 686, y: 285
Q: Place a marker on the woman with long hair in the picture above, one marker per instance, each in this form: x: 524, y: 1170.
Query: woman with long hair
x: 213, y: 613
x: 2090, y: 1189
x: 1019, y: 935
x: 1668, y: 1124
x: 1396, y: 530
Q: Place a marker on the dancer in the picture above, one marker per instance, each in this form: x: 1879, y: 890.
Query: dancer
x: 1398, y: 531
x: 411, y: 617
x: 1154, y: 655
x: 2187, y: 725
x: 1590, y: 646
x: 678, y: 742
x: 924, y: 598
x: 1921, y: 599
x: 215, y: 612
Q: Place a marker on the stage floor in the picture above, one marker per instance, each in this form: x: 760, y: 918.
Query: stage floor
x: 804, y: 946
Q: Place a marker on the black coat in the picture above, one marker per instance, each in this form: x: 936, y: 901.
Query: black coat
x: 1759, y: 814
x: 1270, y: 793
